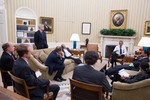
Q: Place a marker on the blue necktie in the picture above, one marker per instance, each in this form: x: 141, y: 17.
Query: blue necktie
x: 120, y: 50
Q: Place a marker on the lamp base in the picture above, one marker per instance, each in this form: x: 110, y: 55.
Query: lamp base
x: 74, y: 44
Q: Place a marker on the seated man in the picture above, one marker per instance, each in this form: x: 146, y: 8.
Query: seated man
x: 7, y: 61
x: 22, y: 70
x: 143, y: 74
x: 133, y: 66
x: 86, y: 73
x: 55, y: 62
x: 119, y: 52
x: 69, y: 55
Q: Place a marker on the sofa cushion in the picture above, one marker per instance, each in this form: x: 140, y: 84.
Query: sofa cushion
x: 48, y: 51
x: 68, y: 61
x: 36, y: 54
x: 43, y: 57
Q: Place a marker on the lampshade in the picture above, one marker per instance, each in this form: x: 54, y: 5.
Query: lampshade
x: 75, y: 37
x: 144, y: 42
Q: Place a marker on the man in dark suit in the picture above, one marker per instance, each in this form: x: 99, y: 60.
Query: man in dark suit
x: 69, y: 55
x: 40, y: 38
x: 7, y: 61
x: 144, y: 73
x: 22, y: 70
x: 86, y: 73
x: 55, y: 62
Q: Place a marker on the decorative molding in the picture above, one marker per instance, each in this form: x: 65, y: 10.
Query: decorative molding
x: 2, y: 4
x: 25, y: 12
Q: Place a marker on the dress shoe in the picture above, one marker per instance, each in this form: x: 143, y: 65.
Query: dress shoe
x: 63, y: 79
x: 58, y: 79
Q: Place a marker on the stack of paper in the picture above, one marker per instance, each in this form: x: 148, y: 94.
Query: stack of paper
x: 123, y: 73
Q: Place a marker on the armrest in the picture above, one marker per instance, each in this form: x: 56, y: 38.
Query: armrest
x: 36, y: 65
x: 127, y: 86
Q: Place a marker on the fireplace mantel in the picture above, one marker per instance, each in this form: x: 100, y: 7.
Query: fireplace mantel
x: 114, y: 40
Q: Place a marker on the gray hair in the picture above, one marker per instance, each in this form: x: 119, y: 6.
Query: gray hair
x: 40, y: 25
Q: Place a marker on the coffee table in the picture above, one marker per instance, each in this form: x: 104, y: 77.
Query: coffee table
x: 101, y: 67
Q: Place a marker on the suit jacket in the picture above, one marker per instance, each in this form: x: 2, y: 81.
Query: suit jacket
x: 54, y: 60
x: 6, y: 61
x: 40, y: 40
x: 87, y: 74
x: 140, y: 76
x: 22, y: 70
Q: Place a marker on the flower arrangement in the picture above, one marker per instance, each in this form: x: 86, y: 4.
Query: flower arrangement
x: 138, y: 52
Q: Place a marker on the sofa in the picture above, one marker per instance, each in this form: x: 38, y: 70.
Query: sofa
x: 134, y: 91
x: 37, y: 59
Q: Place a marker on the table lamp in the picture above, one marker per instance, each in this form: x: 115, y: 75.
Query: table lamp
x: 75, y: 38
x: 144, y: 42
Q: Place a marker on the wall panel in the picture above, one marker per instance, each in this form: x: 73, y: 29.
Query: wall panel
x: 69, y: 15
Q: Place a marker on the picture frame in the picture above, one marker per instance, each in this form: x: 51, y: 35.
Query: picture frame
x: 48, y: 23
x: 118, y: 19
x: 147, y: 28
x: 86, y: 28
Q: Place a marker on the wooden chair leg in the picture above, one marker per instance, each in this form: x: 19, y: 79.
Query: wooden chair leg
x: 5, y: 85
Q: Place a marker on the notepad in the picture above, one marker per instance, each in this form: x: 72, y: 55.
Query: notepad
x: 123, y: 73
x: 38, y: 73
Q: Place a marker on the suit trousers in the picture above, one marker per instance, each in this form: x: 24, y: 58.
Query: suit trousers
x: 59, y: 68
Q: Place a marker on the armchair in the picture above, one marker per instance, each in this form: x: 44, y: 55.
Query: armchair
x: 94, y: 47
x: 20, y: 87
x: 135, y: 91
x: 84, y: 91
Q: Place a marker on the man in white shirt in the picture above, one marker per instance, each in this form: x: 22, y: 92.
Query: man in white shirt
x: 69, y: 55
x: 119, y: 52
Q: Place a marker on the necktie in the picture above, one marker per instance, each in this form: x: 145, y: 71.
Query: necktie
x: 120, y: 50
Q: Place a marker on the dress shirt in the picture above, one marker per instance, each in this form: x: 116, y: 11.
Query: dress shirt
x: 123, y: 48
x: 67, y: 53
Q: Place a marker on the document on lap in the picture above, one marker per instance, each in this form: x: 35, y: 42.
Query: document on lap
x: 38, y: 73
x: 75, y: 57
x: 123, y: 73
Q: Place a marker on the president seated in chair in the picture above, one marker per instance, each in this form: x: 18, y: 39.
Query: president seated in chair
x: 119, y: 52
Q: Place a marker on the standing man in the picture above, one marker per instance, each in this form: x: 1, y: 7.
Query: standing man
x: 22, y: 70
x: 40, y: 38
x: 7, y: 61
x: 55, y: 62
x: 119, y: 52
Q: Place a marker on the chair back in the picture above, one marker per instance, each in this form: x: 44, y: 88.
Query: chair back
x: 92, y: 47
x: 5, y: 77
x: 20, y: 86
x: 85, y: 91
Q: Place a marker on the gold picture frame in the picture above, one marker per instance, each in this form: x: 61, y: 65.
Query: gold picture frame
x: 147, y: 28
x: 118, y: 19
x: 48, y: 24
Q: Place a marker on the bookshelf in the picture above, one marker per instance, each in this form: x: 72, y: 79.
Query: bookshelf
x: 25, y: 29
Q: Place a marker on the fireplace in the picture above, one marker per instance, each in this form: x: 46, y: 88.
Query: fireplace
x: 108, y: 50
x: 107, y: 44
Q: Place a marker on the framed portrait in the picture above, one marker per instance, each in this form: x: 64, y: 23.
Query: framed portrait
x: 147, y: 28
x: 118, y: 19
x: 86, y: 28
x: 48, y: 24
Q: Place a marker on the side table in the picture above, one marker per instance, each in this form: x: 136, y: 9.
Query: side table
x: 77, y: 51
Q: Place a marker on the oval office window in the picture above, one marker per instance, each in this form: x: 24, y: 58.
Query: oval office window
x: 118, y: 19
